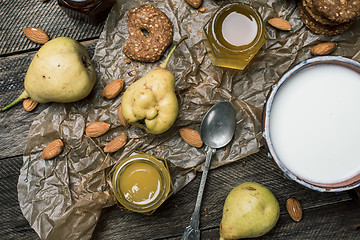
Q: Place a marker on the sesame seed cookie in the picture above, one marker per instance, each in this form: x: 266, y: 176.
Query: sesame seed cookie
x: 319, y: 28
x: 150, y: 33
x: 340, y: 11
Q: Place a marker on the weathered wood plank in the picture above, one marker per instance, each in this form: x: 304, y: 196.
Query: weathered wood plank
x: 12, y: 222
x: 327, y: 211
x: 16, y: 15
x: 330, y: 222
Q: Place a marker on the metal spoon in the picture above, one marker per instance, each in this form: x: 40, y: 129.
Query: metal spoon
x: 216, y: 130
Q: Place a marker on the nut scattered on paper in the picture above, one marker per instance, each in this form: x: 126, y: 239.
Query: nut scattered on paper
x: 191, y: 137
x: 115, y: 144
x: 280, y: 24
x: 112, y: 89
x: 53, y: 149
x: 96, y: 129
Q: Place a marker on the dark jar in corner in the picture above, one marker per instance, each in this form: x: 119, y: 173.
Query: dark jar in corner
x: 90, y: 11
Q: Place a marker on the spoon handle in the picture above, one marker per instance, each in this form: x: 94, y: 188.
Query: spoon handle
x: 192, y: 232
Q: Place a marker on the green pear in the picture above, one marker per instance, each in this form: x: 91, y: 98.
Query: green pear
x: 61, y: 71
x: 150, y: 103
x: 250, y: 210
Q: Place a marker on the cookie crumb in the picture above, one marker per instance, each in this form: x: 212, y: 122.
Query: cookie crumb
x: 203, y: 9
x: 132, y: 73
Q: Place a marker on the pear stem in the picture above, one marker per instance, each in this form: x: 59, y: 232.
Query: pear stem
x: 22, y: 96
x: 163, y: 65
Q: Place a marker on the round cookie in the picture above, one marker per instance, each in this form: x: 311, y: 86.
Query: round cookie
x: 319, y: 28
x: 308, y: 7
x: 340, y: 11
x: 150, y: 33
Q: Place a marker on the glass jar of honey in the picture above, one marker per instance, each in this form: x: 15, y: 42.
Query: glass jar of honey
x: 234, y: 34
x: 141, y: 182
x: 90, y: 11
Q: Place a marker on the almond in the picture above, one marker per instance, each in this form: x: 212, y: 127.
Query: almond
x: 203, y: 9
x: 29, y: 104
x: 294, y: 209
x: 115, y: 144
x: 121, y: 118
x: 96, y: 129
x: 280, y: 24
x: 113, y: 88
x: 53, y: 149
x: 324, y: 48
x: 36, y: 35
x: 191, y: 137
x: 195, y: 3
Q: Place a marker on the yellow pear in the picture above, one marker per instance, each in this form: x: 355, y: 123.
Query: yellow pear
x: 250, y: 210
x: 150, y: 102
x: 61, y: 71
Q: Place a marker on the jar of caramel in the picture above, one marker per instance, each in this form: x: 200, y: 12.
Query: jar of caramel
x: 91, y: 11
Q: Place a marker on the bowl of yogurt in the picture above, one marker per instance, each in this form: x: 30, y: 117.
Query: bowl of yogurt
x: 311, y: 123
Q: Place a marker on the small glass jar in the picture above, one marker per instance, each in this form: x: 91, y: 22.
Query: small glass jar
x: 141, y: 182
x: 234, y: 34
x: 90, y: 11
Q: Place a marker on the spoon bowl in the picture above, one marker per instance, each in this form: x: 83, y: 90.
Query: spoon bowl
x: 218, y: 126
x: 216, y: 131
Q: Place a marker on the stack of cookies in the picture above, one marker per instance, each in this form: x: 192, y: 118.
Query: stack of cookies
x: 329, y: 17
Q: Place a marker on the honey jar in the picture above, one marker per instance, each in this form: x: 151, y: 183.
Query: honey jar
x: 141, y: 182
x: 91, y: 11
x: 234, y: 34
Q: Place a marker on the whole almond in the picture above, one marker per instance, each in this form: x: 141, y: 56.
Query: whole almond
x: 121, y: 118
x: 280, y: 24
x: 29, y: 104
x: 324, y: 48
x: 53, y: 149
x: 195, y: 3
x: 96, y: 129
x: 36, y: 35
x: 115, y: 144
x: 112, y: 89
x: 294, y: 209
x: 191, y: 137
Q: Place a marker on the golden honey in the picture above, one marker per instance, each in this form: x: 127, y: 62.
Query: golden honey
x: 234, y: 34
x: 141, y: 182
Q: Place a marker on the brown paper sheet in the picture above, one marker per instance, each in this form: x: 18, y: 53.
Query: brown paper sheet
x: 63, y: 198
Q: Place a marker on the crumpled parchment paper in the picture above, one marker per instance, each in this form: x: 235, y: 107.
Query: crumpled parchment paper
x: 63, y: 198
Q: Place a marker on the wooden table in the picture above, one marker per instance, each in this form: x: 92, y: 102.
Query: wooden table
x: 325, y: 215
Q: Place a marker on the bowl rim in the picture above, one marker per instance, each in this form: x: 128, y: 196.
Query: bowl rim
x: 339, y: 60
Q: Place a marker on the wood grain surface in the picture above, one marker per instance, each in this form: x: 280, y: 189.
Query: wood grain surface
x: 46, y: 15
x: 325, y: 215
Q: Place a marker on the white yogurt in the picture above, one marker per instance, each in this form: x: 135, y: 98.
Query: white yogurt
x: 315, y: 123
